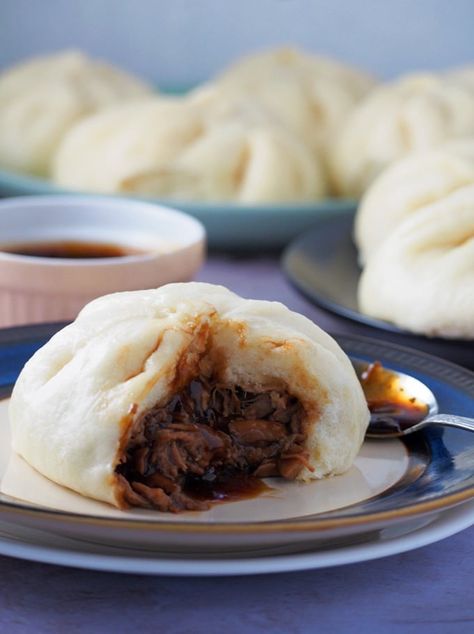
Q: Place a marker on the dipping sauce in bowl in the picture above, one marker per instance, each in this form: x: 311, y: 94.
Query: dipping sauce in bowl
x: 66, y: 249
x: 57, y: 253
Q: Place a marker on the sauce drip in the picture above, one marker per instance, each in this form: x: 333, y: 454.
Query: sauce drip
x: 226, y: 487
x: 70, y: 249
x: 391, y: 407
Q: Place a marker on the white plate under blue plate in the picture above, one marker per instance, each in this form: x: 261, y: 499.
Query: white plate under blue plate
x: 228, y: 225
x: 393, y: 487
x: 49, y: 548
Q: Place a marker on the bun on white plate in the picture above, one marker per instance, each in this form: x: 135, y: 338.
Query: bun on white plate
x: 147, y: 389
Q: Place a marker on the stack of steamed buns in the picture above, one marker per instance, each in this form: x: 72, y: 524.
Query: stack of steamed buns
x: 43, y: 99
x: 258, y: 133
x: 415, y: 233
x: 277, y: 126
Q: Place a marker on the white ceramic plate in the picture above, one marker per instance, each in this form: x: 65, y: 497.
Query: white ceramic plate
x: 49, y: 548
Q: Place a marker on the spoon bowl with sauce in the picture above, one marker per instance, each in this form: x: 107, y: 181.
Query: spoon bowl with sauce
x: 399, y: 404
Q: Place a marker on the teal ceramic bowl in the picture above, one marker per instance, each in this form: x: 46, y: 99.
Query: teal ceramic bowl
x: 228, y: 226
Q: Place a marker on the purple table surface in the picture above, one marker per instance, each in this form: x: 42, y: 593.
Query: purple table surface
x: 427, y: 590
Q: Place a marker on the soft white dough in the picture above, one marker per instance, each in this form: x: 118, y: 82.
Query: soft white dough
x: 415, y: 113
x: 422, y: 279
x: 310, y: 94
x: 170, y: 147
x: 40, y: 99
x: 463, y: 75
x: 76, y: 397
x: 406, y: 186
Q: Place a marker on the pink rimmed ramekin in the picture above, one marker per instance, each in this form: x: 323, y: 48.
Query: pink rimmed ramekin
x: 170, y: 245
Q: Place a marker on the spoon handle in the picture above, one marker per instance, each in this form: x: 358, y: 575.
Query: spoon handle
x: 451, y: 420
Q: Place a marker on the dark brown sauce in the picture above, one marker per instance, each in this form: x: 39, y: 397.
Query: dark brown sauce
x: 70, y: 249
x: 391, y: 408
x: 225, y: 488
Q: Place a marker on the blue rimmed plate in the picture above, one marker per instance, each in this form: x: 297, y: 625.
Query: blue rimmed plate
x: 322, y: 264
x: 392, y: 486
x: 228, y: 225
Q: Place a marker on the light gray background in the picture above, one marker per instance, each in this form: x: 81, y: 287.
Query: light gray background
x: 181, y: 42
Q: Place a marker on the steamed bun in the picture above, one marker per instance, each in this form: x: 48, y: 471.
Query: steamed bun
x: 169, y: 147
x: 408, y: 185
x: 42, y: 98
x: 150, y: 388
x: 311, y: 95
x: 463, y: 75
x: 422, y: 279
x: 415, y: 113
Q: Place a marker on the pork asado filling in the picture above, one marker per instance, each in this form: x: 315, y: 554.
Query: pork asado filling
x: 207, y: 430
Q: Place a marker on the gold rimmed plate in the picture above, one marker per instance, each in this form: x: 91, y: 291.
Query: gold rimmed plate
x: 391, y: 485
x: 49, y: 548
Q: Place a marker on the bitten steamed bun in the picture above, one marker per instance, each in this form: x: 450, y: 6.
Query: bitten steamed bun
x: 169, y: 147
x: 42, y: 98
x: 422, y: 279
x: 414, y: 113
x: 309, y: 94
x: 146, y: 390
x: 406, y: 186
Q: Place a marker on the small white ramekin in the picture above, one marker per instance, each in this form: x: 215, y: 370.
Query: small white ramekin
x: 40, y: 289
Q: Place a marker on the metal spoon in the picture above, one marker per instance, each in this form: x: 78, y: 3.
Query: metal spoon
x: 386, y: 425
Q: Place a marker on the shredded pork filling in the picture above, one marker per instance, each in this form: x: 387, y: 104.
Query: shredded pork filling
x: 204, y: 431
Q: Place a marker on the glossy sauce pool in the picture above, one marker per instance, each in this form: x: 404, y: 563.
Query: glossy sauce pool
x: 226, y: 488
x: 391, y: 407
